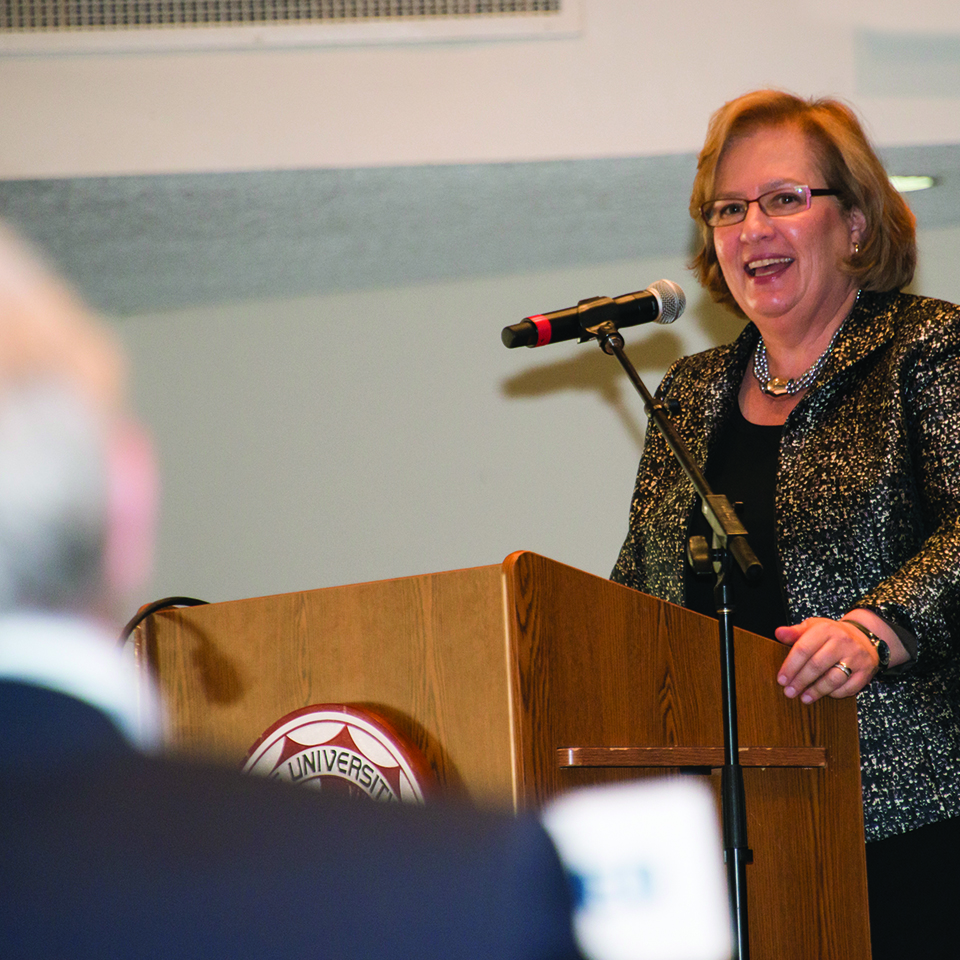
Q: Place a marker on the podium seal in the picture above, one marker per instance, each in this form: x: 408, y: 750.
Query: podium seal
x: 345, y: 750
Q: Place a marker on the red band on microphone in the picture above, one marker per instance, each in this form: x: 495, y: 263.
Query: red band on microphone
x: 544, y: 330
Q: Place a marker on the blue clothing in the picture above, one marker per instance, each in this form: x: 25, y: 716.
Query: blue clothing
x: 111, y: 853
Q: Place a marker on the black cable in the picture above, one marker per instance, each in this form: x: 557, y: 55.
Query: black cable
x: 150, y: 608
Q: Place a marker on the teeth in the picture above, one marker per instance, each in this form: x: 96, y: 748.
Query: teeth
x: 769, y: 262
x: 767, y: 267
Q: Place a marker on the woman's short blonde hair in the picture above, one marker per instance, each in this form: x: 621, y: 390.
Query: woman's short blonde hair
x: 888, y: 249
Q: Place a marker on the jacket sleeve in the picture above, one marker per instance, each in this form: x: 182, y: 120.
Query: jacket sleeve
x: 923, y: 595
x: 631, y: 566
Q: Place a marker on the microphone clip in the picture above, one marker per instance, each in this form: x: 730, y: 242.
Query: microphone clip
x: 596, y: 313
x: 597, y: 316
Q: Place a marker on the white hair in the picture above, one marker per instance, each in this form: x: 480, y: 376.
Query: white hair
x: 60, y: 388
x: 52, y: 499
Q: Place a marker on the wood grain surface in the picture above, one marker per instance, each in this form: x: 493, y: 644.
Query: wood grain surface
x: 524, y: 679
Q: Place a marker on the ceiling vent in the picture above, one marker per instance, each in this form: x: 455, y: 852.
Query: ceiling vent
x: 78, y: 26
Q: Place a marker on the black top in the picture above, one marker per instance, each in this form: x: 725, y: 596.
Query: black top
x: 744, y: 469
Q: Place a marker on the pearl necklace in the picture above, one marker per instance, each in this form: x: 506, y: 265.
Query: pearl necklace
x: 783, y: 386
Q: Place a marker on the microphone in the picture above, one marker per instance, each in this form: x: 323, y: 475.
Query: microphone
x: 661, y: 302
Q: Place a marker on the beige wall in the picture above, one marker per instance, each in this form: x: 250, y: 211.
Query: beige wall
x: 381, y: 433
x: 376, y: 433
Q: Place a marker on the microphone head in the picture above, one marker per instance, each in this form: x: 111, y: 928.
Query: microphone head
x: 672, y: 300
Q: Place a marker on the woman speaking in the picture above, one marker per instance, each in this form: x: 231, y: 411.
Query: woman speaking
x: 835, y: 418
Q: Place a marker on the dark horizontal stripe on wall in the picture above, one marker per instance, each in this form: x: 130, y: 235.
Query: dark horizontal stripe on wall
x: 143, y: 243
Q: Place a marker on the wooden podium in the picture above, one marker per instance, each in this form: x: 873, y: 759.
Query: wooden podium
x: 523, y: 679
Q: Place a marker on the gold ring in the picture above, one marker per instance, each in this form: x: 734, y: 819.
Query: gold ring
x: 840, y: 665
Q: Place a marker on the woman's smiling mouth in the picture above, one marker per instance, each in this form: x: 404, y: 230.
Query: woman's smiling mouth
x: 767, y: 266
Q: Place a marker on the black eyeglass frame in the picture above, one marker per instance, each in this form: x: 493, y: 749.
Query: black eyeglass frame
x: 808, y: 193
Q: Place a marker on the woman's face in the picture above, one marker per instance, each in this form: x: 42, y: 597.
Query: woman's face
x: 783, y: 269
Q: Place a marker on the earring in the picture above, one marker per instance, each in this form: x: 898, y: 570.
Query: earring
x: 856, y: 248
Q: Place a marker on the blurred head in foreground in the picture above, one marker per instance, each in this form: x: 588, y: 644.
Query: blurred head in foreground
x: 77, y: 487
x: 111, y: 852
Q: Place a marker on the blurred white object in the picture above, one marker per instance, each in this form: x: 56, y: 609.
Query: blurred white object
x: 646, y: 863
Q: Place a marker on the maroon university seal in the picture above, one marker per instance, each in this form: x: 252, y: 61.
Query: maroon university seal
x: 344, y: 750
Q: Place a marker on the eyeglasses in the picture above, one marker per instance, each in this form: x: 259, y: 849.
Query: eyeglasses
x: 782, y: 202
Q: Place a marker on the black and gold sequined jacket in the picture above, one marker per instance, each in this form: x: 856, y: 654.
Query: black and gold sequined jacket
x: 868, y: 515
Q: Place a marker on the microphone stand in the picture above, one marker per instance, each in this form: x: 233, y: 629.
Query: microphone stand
x: 729, y: 537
